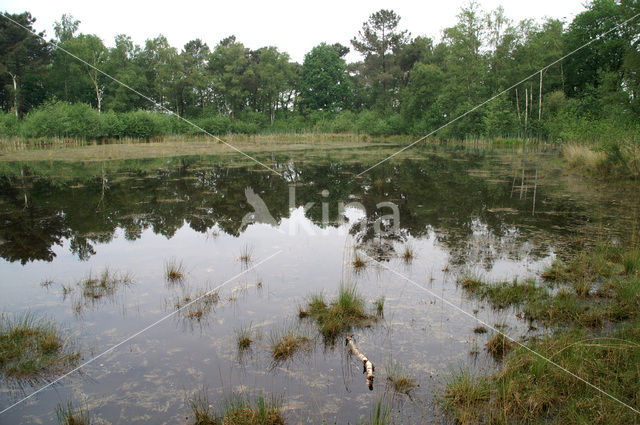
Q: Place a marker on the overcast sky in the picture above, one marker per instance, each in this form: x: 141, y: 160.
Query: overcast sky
x: 292, y: 26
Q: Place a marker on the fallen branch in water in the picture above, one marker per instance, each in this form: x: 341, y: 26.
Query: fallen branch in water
x: 367, y: 366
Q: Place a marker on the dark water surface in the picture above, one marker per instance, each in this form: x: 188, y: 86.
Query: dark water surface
x: 496, y: 214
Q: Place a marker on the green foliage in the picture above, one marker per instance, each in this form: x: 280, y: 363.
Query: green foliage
x: 324, y: 83
x: 401, y: 86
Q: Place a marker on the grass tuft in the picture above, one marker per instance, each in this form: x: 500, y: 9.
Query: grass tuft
x: 245, y: 255
x: 346, y: 311
x: 408, y: 254
x: 33, y: 348
x: 196, y: 307
x: 174, y: 270
x: 202, y: 410
x: 285, y: 345
x: 358, y: 263
x: 499, y: 346
x: 379, y: 304
x: 400, y: 382
x: 244, y: 339
x: 68, y: 415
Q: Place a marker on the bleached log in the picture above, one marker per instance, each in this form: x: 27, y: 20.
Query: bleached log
x: 367, y: 367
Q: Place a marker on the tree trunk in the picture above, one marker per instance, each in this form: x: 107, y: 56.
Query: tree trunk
x: 526, y: 107
x: 540, y: 99
x: 15, y: 94
x: 518, y: 107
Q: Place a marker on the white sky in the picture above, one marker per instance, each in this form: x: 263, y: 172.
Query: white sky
x: 292, y: 26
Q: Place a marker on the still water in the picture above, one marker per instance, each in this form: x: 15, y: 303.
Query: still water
x: 498, y: 214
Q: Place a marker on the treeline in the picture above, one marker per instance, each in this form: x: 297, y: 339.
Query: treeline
x: 402, y: 85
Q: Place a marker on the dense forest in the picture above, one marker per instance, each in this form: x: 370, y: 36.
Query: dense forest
x: 402, y: 85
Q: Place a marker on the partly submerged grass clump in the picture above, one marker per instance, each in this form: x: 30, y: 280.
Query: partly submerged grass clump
x: 503, y: 294
x: 244, y: 339
x: 33, y: 348
x: 499, y: 346
x: 174, y: 270
x: 379, y: 304
x: 196, y: 307
x: 246, y: 254
x: 408, y: 254
x: 239, y: 410
x: 399, y: 380
x: 285, y: 344
x: 358, y: 263
x: 346, y: 311
x: 68, y: 415
x: 104, y: 285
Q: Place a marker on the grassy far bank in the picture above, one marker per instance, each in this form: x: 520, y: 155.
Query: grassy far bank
x: 17, y: 149
x: 592, y: 304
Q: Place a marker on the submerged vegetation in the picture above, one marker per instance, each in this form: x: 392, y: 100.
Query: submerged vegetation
x: 196, y: 307
x: 104, y: 285
x: 33, y: 348
x: 68, y: 415
x: 530, y: 388
x: 398, y: 378
x: 340, y: 315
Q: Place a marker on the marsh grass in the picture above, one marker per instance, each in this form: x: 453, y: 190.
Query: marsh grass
x: 499, y: 346
x: 33, y: 348
x: 379, y: 306
x: 202, y: 410
x: 284, y: 344
x: 503, y: 294
x: 381, y: 413
x: 528, y: 389
x: 46, y: 283
x: 244, y: 338
x: 241, y: 410
x: 340, y: 315
x: 103, y: 285
x: 246, y: 254
x: 532, y: 390
x: 398, y: 379
x: 582, y: 156
x: 358, y: 263
x: 464, y: 394
x: 408, y: 254
x: 480, y: 330
x: 197, y: 306
x: 68, y: 415
x: 174, y: 270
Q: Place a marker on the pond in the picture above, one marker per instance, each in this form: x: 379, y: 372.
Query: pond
x: 265, y: 243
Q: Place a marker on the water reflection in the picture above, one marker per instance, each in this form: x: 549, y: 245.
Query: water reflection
x: 474, y: 217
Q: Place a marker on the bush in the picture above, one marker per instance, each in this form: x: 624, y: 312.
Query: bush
x: 9, y: 124
x: 216, y: 124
